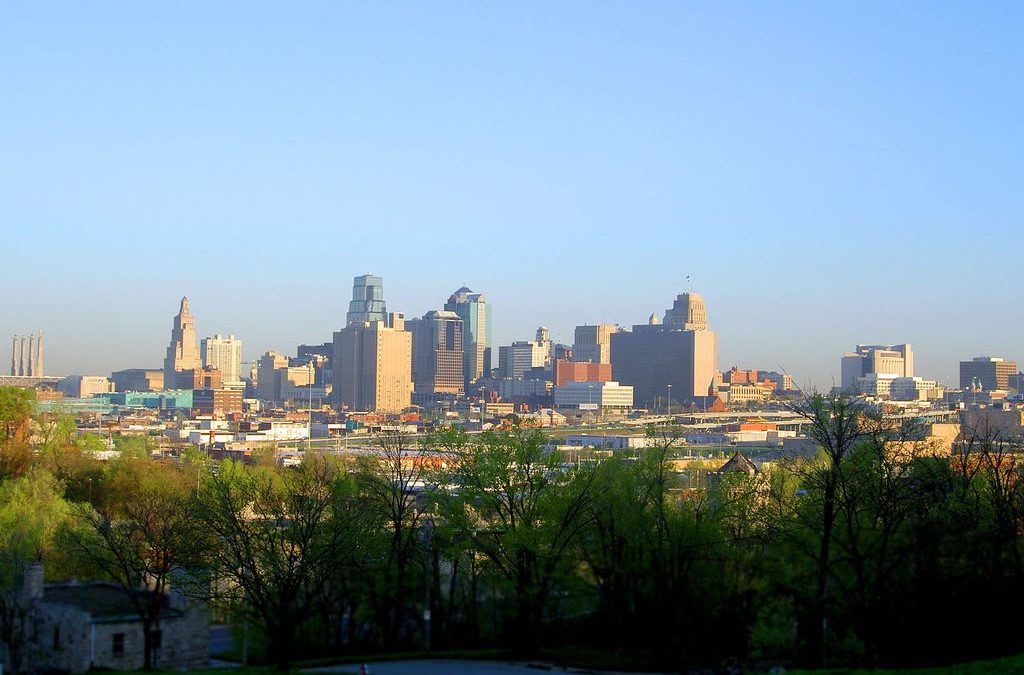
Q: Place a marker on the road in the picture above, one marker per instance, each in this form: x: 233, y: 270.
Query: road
x: 451, y: 667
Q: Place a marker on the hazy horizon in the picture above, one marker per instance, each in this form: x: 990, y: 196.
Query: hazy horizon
x: 826, y: 175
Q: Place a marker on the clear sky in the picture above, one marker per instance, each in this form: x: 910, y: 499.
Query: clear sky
x: 827, y: 173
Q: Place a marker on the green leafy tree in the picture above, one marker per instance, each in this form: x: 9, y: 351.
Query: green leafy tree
x: 519, y: 507
x: 273, y: 539
x: 140, y: 532
x: 32, y: 511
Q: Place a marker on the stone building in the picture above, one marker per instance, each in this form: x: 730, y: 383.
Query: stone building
x: 77, y: 627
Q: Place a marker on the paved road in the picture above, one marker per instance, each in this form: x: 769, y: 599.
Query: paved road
x: 437, y: 667
x: 448, y: 667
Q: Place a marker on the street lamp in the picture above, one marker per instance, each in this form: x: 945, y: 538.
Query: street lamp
x: 670, y: 401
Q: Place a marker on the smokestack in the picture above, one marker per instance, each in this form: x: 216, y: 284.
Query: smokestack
x: 14, y: 355
x: 31, y: 351
x: 21, y: 357
x: 39, y: 356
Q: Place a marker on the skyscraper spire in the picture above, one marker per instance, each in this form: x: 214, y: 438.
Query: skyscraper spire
x: 183, y: 351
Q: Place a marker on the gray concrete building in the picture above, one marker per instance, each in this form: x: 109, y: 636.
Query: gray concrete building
x: 680, y: 353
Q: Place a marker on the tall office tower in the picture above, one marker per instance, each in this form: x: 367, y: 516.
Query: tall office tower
x: 183, y: 352
x: 14, y: 355
x: 367, y: 303
x: 593, y: 343
x: 373, y: 366
x: 887, y: 360
x: 224, y: 354
x: 680, y: 352
x: 475, y: 313
x: 436, y: 355
x: 990, y: 372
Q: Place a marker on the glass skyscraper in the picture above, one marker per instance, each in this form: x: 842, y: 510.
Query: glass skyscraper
x: 367, y: 300
x: 475, y: 313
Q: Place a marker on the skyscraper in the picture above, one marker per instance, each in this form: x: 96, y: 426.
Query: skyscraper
x: 681, y: 353
x: 183, y: 351
x: 475, y: 313
x: 224, y: 354
x: 437, y: 354
x: 373, y: 366
x: 367, y: 303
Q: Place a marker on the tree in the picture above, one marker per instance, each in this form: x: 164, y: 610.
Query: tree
x: 390, y: 478
x: 521, y: 508
x: 16, y: 406
x: 32, y: 511
x: 836, y: 422
x: 139, y: 534
x: 274, y: 538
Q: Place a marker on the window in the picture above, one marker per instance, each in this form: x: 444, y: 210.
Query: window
x: 117, y: 644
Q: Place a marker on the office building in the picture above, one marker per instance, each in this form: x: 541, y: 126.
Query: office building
x: 680, y: 352
x: 987, y: 372
x: 593, y: 343
x: 475, y: 313
x: 515, y: 359
x: 367, y: 303
x: 277, y: 377
x: 437, y: 353
x: 216, y: 402
x: 183, y: 351
x: 224, y: 354
x: 138, y: 379
x: 84, y: 386
x: 373, y: 366
x: 571, y: 371
x: 198, y: 378
x: 598, y: 397
x: 895, y: 360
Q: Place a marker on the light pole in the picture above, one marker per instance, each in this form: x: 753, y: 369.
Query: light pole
x: 670, y: 402
x: 309, y: 405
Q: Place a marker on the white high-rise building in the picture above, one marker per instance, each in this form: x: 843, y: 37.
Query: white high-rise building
x: 224, y: 354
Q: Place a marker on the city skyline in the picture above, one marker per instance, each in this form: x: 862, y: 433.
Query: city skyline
x: 945, y: 373
x: 827, y: 175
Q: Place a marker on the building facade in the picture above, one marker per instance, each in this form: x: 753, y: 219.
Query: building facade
x: 475, y: 313
x: 437, y: 353
x: 587, y: 371
x: 138, y: 379
x: 989, y: 372
x: 593, y: 343
x: 224, y: 354
x: 183, y: 351
x: 515, y: 359
x: 894, y: 360
x: 367, y: 304
x: 373, y: 366
x: 608, y: 397
x: 680, y: 352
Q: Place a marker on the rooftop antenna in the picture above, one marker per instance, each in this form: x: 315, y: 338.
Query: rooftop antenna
x: 689, y: 286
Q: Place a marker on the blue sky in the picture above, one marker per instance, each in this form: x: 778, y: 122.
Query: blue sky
x: 826, y: 173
